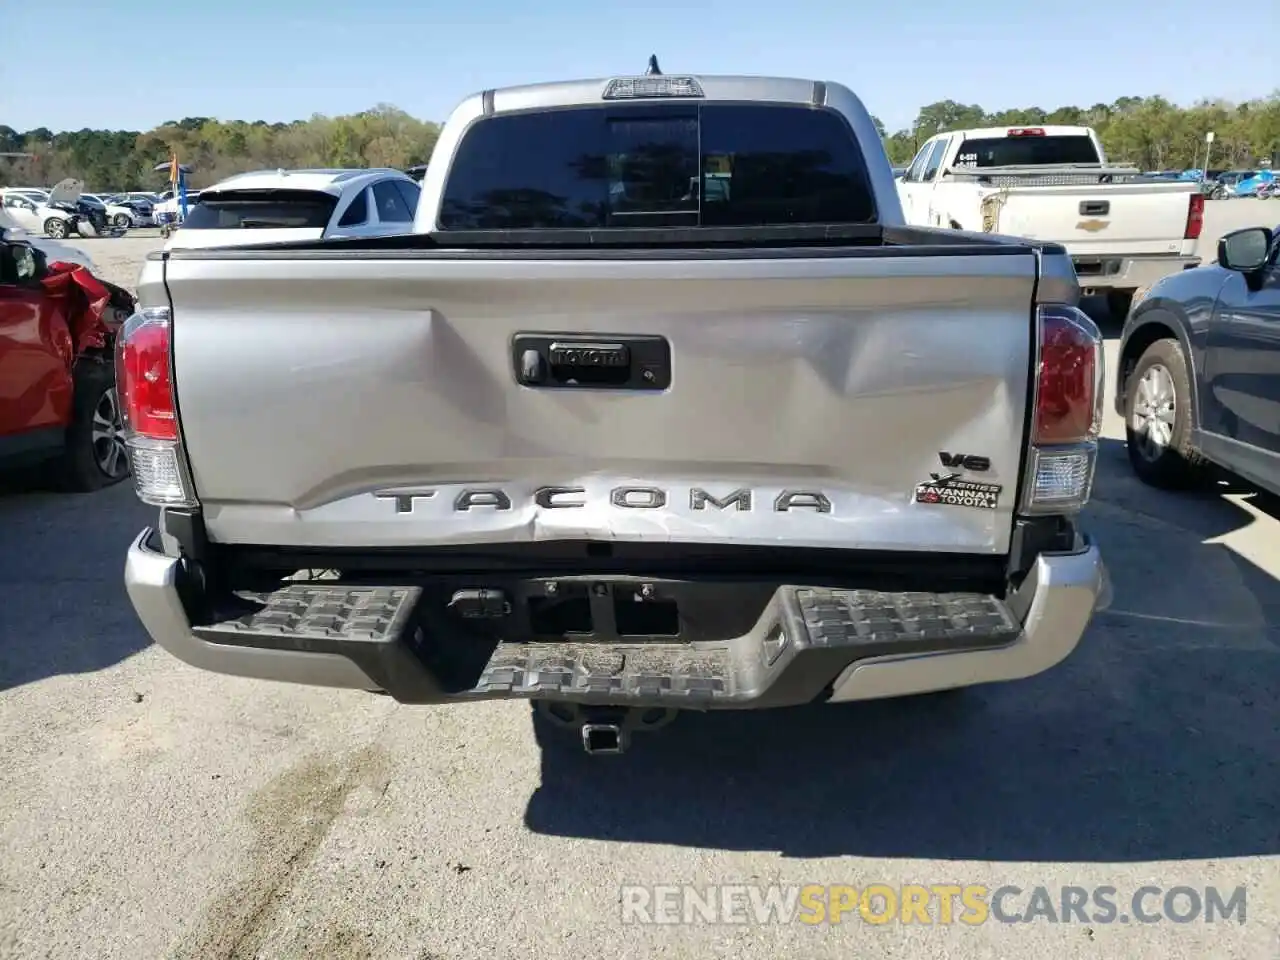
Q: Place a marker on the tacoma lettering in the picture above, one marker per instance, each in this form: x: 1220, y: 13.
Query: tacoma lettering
x: 639, y: 498
x: 482, y: 498
x: 630, y: 497
x: 699, y: 498
x: 405, y: 499
x: 802, y: 499
x: 556, y: 498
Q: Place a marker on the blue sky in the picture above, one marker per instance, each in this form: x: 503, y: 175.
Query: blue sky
x: 287, y: 59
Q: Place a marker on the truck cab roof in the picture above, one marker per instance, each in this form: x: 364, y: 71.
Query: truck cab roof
x: 1047, y: 129
x: 334, y: 181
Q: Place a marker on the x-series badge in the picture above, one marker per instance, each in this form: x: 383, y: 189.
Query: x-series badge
x: 948, y: 489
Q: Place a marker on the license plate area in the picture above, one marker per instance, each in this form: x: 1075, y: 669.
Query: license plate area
x: 606, y: 609
x: 569, y: 361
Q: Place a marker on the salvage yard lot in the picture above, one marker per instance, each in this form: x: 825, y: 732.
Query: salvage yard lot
x: 148, y: 809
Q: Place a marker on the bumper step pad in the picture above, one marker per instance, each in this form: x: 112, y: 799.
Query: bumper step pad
x: 856, y: 617
x: 663, y: 671
x: 804, y: 639
x: 818, y: 633
x: 313, y: 616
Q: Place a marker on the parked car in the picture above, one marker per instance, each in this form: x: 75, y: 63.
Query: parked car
x: 1225, y: 184
x: 277, y: 205
x: 58, y: 402
x: 53, y: 213
x: 1259, y: 184
x: 1122, y: 229
x: 144, y: 195
x: 143, y: 210
x: 1199, y: 375
x: 65, y: 212
x: 98, y: 219
x: 167, y: 213
x: 39, y: 194
x: 590, y: 438
x: 118, y: 214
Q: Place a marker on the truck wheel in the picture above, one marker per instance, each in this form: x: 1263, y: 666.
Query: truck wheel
x: 1118, y: 304
x: 95, y: 455
x: 1157, y: 418
x: 55, y: 228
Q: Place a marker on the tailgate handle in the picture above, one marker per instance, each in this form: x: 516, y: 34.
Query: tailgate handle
x: 611, y: 362
x: 1094, y: 208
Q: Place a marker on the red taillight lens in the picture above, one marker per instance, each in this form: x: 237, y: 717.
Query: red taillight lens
x: 1195, y: 217
x: 144, y: 380
x: 1027, y: 132
x: 1069, y: 392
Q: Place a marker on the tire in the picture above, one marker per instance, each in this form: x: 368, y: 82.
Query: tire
x: 87, y: 463
x: 122, y: 220
x: 56, y: 229
x: 1118, y: 304
x: 1166, y: 460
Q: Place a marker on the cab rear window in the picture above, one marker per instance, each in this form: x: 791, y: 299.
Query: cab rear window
x: 657, y: 165
x: 1026, y: 151
x: 261, y: 209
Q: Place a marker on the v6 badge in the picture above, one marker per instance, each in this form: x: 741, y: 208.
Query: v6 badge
x: 951, y: 492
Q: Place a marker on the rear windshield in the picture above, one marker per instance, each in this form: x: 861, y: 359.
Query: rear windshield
x: 1026, y: 151
x: 657, y: 165
x: 249, y: 209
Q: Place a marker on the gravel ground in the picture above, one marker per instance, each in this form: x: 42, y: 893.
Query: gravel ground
x: 148, y: 809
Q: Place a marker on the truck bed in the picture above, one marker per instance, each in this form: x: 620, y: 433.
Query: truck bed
x: 366, y: 394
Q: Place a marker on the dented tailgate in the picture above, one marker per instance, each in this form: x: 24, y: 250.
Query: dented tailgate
x: 790, y: 399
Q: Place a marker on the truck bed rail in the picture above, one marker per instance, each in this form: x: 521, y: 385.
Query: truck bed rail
x: 1068, y: 174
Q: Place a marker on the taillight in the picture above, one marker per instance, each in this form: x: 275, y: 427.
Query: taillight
x: 1067, y: 408
x: 144, y: 383
x: 1195, y: 217
x: 1027, y: 132
x: 143, y: 378
x: 1068, y: 411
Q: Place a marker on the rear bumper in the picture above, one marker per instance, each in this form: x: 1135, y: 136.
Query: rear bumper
x: 809, y: 643
x: 1100, y: 274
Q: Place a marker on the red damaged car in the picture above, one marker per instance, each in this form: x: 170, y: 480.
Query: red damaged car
x: 58, y: 400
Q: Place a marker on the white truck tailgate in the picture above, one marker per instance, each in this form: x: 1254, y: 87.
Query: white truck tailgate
x: 1118, y: 219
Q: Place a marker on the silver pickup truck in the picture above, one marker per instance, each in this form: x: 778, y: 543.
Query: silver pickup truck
x: 660, y: 406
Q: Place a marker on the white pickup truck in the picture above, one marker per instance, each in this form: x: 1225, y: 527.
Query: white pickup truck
x: 1052, y: 183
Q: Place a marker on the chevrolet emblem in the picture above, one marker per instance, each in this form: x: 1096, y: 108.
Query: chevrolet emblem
x: 1093, y: 226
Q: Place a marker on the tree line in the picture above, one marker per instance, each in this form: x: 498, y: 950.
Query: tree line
x: 1147, y: 132
x: 214, y: 149
x: 1150, y: 133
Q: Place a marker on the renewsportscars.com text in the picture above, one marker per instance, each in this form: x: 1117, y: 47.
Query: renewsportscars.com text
x: 928, y: 904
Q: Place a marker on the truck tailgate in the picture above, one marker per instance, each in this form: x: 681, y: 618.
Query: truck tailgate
x: 372, y: 400
x: 1120, y: 219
